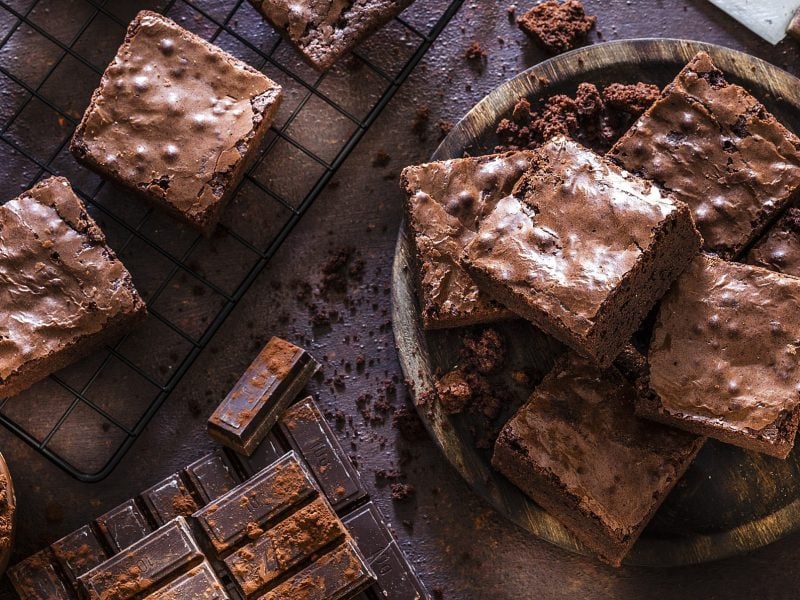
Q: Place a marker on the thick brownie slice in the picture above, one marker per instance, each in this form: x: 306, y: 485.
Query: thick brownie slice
x: 557, y: 26
x: 326, y: 30
x: 723, y: 356
x: 63, y: 292
x: 779, y: 248
x: 176, y: 120
x: 582, y: 249
x: 577, y: 449
x: 444, y: 204
x: 719, y: 150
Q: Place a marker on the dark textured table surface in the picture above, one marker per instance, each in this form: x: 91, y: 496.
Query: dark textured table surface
x: 458, y: 544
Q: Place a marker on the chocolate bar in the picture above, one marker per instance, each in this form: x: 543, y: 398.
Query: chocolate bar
x: 37, y: 577
x: 270, y: 450
x: 168, y: 499
x: 212, y: 476
x: 261, y: 395
x: 78, y: 552
x: 123, y: 525
x: 309, y: 434
x: 201, y: 583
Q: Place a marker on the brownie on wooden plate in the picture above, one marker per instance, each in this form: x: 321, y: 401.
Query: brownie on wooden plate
x: 723, y: 356
x: 445, y: 201
x: 718, y: 149
x: 176, y: 119
x: 578, y: 450
x: 779, y: 248
x: 582, y: 249
x: 326, y: 30
x: 63, y: 292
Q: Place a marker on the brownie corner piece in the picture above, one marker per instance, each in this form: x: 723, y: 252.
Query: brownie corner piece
x: 65, y: 292
x: 557, y: 26
x: 723, y: 356
x: 323, y: 32
x: 582, y: 249
x: 578, y: 450
x: 176, y: 120
x: 717, y: 148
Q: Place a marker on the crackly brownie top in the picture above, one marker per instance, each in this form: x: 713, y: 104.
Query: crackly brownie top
x: 173, y: 114
x: 303, y: 19
x: 59, y: 280
x: 779, y: 249
x: 574, y: 227
x: 445, y: 202
x: 725, y: 345
x: 579, y: 426
x: 719, y: 150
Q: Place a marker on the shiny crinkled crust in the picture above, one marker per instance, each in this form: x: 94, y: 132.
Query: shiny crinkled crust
x: 724, y: 350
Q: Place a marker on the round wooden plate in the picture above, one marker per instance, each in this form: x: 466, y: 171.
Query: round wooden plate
x: 11, y: 500
x: 730, y: 501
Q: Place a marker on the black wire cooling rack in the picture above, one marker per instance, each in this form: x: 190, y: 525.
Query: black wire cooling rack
x: 52, y: 55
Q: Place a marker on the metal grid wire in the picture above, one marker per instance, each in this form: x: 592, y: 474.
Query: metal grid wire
x: 52, y: 55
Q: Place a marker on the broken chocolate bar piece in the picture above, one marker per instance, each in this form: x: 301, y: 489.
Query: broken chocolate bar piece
x: 168, y: 499
x: 309, y: 433
x: 145, y: 565
x: 123, y: 525
x: 201, y: 583
x: 261, y: 395
x: 36, y: 577
x: 212, y: 476
x: 78, y: 552
x: 270, y: 450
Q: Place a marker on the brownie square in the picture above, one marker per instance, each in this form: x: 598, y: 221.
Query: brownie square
x: 578, y: 450
x: 445, y: 201
x: 716, y: 148
x: 325, y: 30
x: 582, y: 249
x: 176, y: 119
x: 64, y: 291
x: 779, y: 248
x: 557, y: 26
x: 723, y: 356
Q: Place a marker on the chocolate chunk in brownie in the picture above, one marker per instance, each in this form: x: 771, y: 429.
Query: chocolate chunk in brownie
x: 325, y: 30
x: 579, y: 451
x: 723, y: 356
x: 445, y: 202
x: 64, y: 293
x: 557, y: 26
x: 716, y: 148
x: 582, y: 249
x: 176, y: 120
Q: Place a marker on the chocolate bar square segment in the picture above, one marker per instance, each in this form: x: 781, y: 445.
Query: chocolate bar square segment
x: 266, y: 453
x: 578, y: 450
x: 168, y: 499
x: 123, y: 525
x: 369, y: 530
x: 309, y: 434
x: 337, y: 575
x: 146, y: 565
x: 212, y: 476
x: 582, y: 249
x: 779, y: 248
x: 262, y: 393
x: 323, y: 32
x: 78, y: 552
x: 445, y: 202
x: 284, y: 546
x: 723, y: 356
x: 715, y: 146
x: 64, y: 292
x: 176, y: 120
x: 38, y: 577
x: 254, y: 503
x: 201, y: 583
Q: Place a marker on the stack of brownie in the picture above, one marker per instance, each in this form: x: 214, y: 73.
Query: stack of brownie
x: 585, y: 247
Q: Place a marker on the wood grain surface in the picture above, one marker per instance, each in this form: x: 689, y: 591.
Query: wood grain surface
x: 730, y: 501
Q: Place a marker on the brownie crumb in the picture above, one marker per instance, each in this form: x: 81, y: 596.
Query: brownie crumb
x: 484, y: 352
x: 454, y: 391
x: 407, y: 422
x: 419, y: 125
x: 475, y: 52
x: 557, y: 27
x: 381, y: 159
x: 445, y: 127
x: 402, y: 491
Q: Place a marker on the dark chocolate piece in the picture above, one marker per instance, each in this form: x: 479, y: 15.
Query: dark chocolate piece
x: 723, y: 356
x: 444, y: 204
x: 557, y: 26
x: 261, y: 395
x: 64, y: 291
x: 287, y: 544
x: 339, y: 574
x: 582, y: 249
x: 255, y: 502
x: 716, y: 148
x: 309, y: 433
x: 270, y: 450
x: 325, y: 31
x: 78, y: 552
x: 201, y: 583
x: 37, y: 577
x: 123, y: 525
x: 212, y: 476
x: 143, y: 567
x: 168, y: 499
x: 176, y: 120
